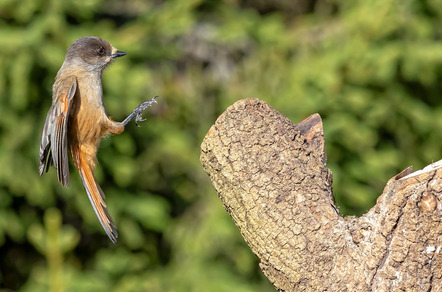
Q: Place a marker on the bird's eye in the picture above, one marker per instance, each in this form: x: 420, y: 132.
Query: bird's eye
x: 100, y: 51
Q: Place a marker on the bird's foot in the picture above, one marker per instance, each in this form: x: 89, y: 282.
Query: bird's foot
x: 138, y: 111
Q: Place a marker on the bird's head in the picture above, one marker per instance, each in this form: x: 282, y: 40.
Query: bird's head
x: 92, y: 53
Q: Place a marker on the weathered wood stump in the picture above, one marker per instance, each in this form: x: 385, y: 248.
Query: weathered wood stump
x: 272, y: 178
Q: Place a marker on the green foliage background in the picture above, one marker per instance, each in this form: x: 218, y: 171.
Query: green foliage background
x: 372, y: 69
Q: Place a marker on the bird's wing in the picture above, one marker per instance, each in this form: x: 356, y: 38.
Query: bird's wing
x: 54, y: 142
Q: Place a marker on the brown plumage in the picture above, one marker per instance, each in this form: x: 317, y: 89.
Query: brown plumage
x: 77, y: 120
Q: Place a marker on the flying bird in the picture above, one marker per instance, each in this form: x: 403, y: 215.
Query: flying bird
x: 77, y: 120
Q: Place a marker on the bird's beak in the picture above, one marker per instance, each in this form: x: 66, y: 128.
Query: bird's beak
x: 116, y: 53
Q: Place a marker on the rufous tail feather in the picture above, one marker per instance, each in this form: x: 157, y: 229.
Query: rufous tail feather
x: 96, y: 197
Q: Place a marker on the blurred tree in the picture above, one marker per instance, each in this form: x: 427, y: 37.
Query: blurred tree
x: 372, y: 70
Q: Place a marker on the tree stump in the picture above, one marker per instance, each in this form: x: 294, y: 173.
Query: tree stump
x: 272, y: 178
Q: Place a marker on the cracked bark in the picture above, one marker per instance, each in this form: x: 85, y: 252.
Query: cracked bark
x: 272, y: 178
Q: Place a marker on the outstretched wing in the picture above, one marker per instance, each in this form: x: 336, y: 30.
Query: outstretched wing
x: 54, y: 142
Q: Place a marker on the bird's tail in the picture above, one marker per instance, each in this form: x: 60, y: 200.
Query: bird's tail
x: 96, y: 197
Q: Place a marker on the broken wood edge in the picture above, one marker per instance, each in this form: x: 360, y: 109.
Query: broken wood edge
x: 369, y: 239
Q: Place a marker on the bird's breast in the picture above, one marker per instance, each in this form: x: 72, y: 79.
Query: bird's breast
x: 87, y: 114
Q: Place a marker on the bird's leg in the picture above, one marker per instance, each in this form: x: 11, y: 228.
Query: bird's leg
x: 136, y: 113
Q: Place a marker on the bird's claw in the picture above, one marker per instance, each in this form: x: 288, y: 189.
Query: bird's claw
x: 138, y: 111
x: 139, y: 118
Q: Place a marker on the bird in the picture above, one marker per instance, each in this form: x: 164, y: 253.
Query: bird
x: 77, y: 120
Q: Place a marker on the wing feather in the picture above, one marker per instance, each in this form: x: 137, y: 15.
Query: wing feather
x: 54, y: 141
